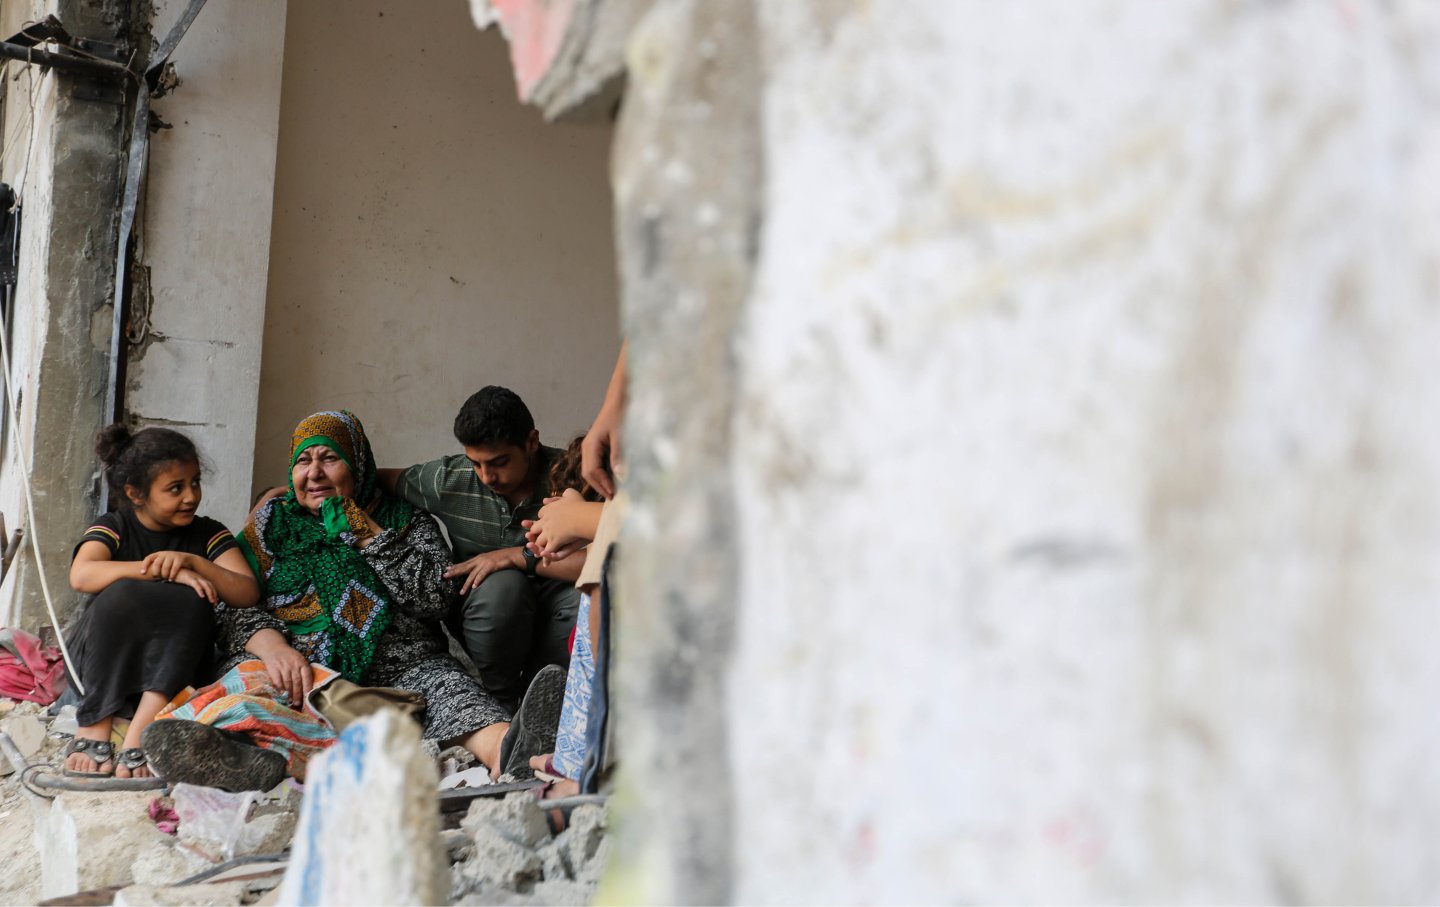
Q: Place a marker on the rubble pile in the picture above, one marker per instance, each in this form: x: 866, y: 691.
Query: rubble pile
x: 136, y: 847
x: 510, y: 857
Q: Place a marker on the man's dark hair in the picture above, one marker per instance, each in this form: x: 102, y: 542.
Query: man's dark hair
x: 493, y: 415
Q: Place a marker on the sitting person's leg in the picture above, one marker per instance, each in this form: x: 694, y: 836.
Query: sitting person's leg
x: 554, y: 620
x: 497, y: 627
x: 145, y: 642
x: 569, y: 756
x: 458, y: 711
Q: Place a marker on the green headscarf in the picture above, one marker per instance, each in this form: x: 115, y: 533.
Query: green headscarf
x: 315, y: 578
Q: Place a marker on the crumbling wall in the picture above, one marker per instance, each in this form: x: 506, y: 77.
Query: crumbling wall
x: 61, y: 337
x: 1048, y: 515
x: 196, y: 325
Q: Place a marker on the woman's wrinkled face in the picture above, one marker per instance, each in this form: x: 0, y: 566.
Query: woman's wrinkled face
x: 320, y: 473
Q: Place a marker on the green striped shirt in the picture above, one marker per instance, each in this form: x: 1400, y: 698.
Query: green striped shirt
x: 476, y: 518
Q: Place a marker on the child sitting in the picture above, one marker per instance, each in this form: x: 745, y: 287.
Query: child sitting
x: 567, y: 522
x: 158, y: 574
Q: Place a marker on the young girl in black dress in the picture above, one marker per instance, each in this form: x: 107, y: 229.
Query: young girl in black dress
x: 159, y: 574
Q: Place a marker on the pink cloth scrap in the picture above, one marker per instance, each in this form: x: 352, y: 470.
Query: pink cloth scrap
x: 28, y: 669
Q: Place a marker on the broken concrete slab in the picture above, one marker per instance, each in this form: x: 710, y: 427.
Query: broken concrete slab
x: 28, y: 734
x: 585, y: 842
x: 205, y: 894
x: 167, y: 863
x: 222, y: 825
x: 515, y: 818
x: 369, y: 831
x: 93, y: 840
x: 498, y: 861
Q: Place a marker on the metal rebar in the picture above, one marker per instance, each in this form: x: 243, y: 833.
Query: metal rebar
x: 87, y: 66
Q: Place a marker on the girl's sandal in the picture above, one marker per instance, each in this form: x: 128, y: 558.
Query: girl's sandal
x: 102, y: 751
x: 131, y: 759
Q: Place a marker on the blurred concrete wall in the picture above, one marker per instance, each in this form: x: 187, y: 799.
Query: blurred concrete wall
x: 1035, y: 483
x: 1085, y: 469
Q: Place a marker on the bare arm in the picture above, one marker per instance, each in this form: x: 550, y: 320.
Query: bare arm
x: 93, y: 570
x: 600, y: 451
x: 229, y: 574
x: 568, y: 569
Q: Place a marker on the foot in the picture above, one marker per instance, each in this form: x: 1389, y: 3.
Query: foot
x: 554, y: 789
x: 197, y: 753
x: 89, y: 755
x: 533, y: 730
x: 132, y: 763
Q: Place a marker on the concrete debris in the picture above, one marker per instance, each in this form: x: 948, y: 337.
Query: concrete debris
x: 455, y: 759
x: 479, y: 776
x: 166, y: 863
x: 497, y: 861
x: 586, y: 842
x: 515, y: 818
x: 65, y: 723
x: 369, y: 833
x: 92, y: 840
x: 369, y: 829
x: 214, y: 894
x: 28, y: 732
x: 512, y: 852
x: 223, y: 825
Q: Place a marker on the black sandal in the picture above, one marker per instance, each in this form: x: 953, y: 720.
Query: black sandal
x: 102, y: 751
x: 131, y: 759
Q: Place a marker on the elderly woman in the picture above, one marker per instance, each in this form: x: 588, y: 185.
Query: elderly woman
x: 354, y: 579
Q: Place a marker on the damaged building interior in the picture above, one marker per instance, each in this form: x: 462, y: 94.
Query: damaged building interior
x: 1023, y: 431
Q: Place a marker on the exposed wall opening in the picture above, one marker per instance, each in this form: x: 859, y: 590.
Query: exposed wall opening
x: 431, y: 235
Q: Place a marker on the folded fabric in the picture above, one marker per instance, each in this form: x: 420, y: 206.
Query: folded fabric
x: 247, y: 701
x: 343, y: 703
x: 30, y: 670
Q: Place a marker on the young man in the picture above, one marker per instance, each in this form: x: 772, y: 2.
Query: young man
x: 516, y: 613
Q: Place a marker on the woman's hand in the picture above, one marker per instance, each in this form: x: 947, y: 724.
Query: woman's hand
x: 202, y: 586
x: 288, y: 669
x: 167, y: 565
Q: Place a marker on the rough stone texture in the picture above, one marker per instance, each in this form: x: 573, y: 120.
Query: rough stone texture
x: 1076, y: 429
x: 211, y: 894
x: 498, y: 861
x: 222, y: 825
x: 91, y: 840
x: 27, y: 732
x: 516, y: 817
x: 687, y: 188
x: 71, y: 197
x: 1080, y: 455
x: 369, y: 831
x: 166, y: 863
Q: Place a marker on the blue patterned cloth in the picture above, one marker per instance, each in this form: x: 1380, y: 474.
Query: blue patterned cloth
x: 570, y: 737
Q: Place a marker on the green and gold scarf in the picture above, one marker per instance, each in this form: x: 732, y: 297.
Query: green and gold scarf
x: 314, y: 577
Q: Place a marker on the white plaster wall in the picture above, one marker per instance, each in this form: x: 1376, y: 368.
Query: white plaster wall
x: 1086, y: 466
x: 207, y: 239
x: 431, y: 236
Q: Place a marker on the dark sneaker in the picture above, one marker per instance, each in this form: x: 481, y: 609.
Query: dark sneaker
x: 193, y: 753
x: 532, y: 732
